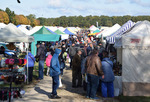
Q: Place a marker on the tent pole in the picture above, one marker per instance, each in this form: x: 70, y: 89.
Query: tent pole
x: 27, y: 66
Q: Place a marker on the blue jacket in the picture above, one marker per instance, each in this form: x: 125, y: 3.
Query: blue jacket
x: 55, y: 65
x: 107, y: 67
x: 31, y: 60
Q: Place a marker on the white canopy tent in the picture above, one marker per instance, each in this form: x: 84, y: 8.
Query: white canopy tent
x: 2, y: 25
x: 92, y: 28
x: 109, y: 31
x: 53, y: 28
x: 136, y: 60
x: 35, y: 29
x: 23, y: 29
x: 12, y: 34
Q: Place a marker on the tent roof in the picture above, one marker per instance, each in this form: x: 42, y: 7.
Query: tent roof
x: 68, y: 32
x: 12, y: 34
x: 71, y: 30
x: 124, y: 28
x: 96, y: 31
x: 46, y: 37
x: 51, y: 31
x: 139, y: 35
x: 109, y: 31
x: 43, y: 30
x: 93, y: 28
x: 23, y: 29
x: 34, y: 29
x: 2, y: 25
x: 59, y: 32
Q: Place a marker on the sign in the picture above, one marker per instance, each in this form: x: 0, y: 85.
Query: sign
x: 135, y: 40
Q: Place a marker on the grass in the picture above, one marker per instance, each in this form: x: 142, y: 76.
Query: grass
x: 133, y: 99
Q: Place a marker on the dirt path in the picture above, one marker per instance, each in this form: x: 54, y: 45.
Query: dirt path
x: 41, y: 92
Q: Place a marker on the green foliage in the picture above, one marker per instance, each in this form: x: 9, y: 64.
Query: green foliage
x: 33, y: 20
x: 80, y: 21
x: 11, y: 15
x: 87, y: 21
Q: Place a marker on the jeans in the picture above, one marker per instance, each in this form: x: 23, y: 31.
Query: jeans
x: 107, y: 87
x: 92, y: 85
x: 41, y: 67
x: 55, y: 84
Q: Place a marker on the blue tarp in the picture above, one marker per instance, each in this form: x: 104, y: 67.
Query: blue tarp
x: 68, y: 32
x: 51, y: 31
x: 18, y: 25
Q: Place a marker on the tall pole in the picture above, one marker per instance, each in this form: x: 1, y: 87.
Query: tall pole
x: 27, y: 65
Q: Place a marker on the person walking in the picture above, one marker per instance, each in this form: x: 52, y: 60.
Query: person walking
x: 107, y: 86
x: 41, y: 54
x: 72, y: 52
x: 31, y: 61
x: 93, y: 71
x: 76, y: 70
x: 48, y: 61
x: 54, y: 73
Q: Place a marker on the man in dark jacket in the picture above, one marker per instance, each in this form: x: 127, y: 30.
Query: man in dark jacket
x: 41, y: 54
x: 72, y: 52
x: 107, y: 82
x: 76, y: 70
x: 93, y: 70
x: 90, y: 49
x: 54, y: 73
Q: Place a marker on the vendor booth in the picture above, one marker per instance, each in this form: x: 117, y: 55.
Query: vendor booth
x: 136, y: 60
x: 43, y: 35
x: 11, y: 65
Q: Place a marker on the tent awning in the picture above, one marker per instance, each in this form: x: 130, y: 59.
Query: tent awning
x: 129, y: 24
x: 12, y: 34
x: 92, y: 34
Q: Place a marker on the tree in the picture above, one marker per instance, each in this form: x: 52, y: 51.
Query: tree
x: 21, y: 19
x: 33, y: 20
x: 11, y: 15
x: 4, y: 17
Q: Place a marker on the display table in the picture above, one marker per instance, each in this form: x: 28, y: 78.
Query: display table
x: 118, y: 85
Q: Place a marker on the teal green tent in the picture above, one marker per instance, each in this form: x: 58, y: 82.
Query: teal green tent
x: 59, y: 32
x: 43, y: 35
x: 96, y: 31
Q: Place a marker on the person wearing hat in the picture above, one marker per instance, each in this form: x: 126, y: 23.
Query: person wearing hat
x: 76, y: 69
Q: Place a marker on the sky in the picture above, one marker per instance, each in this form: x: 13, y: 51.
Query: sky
x: 57, y: 8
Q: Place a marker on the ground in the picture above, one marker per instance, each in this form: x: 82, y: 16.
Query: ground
x: 41, y: 91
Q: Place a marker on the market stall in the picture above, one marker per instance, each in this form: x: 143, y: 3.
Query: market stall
x: 136, y: 60
x: 9, y: 67
x: 43, y: 35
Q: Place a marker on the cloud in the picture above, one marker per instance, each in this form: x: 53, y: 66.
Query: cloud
x: 141, y: 3
x: 112, y: 1
x: 58, y: 3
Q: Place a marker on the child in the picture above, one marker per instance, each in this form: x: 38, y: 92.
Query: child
x: 48, y: 61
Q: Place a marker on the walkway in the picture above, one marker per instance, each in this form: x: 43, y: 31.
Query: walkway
x: 41, y: 92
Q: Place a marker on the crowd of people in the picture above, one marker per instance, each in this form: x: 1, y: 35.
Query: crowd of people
x: 89, y: 61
